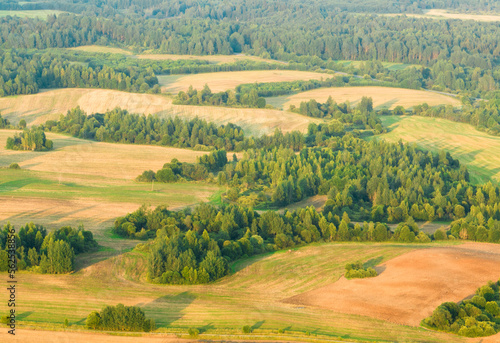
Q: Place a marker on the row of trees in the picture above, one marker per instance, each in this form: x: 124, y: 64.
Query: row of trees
x: 27, y: 73
x: 43, y: 252
x: 227, y: 98
x: 476, y: 317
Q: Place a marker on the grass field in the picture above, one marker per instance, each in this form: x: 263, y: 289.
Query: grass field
x: 101, y: 49
x: 216, y: 59
x: 31, y: 14
x: 478, y: 150
x: 38, y: 108
x: 88, y: 182
x: 383, y: 97
x: 444, y: 14
x: 253, y: 296
x: 223, y: 81
x: 389, y: 65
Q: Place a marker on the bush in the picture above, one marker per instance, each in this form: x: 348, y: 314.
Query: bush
x: 193, y: 332
x: 247, y: 329
x: 357, y: 271
x: 120, y: 318
x: 14, y: 166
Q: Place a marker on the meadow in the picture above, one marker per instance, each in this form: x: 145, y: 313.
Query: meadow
x: 255, y: 295
x: 222, y: 81
x: 383, y: 97
x: 36, y: 109
x: 89, y: 183
x: 478, y: 150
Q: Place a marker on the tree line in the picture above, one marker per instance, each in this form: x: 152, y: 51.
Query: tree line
x: 43, y: 252
x: 475, y: 317
x: 227, y: 98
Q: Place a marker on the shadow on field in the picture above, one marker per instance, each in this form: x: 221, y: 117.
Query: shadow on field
x: 373, y: 264
x: 258, y: 325
x: 170, y: 308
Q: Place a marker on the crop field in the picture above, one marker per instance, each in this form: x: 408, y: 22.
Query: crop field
x: 478, y: 150
x: 257, y: 294
x: 88, y: 182
x: 443, y: 14
x: 411, y: 286
x: 49, y: 105
x: 42, y: 14
x: 223, y: 81
x: 383, y: 97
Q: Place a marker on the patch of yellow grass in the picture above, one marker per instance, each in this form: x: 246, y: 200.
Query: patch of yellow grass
x: 38, y: 108
x: 383, y: 97
x: 223, y: 81
x: 218, y: 59
x: 444, y: 14
x: 84, y: 157
x: 101, y: 49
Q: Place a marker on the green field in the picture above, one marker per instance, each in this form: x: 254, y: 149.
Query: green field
x: 478, y: 150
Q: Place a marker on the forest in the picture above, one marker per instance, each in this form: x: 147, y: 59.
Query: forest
x: 30, y: 139
x: 47, y: 253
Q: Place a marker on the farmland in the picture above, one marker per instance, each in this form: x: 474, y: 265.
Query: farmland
x: 88, y: 182
x: 255, y: 295
x: 42, y: 14
x: 223, y: 81
x: 478, y: 150
x: 49, y: 105
x: 383, y: 97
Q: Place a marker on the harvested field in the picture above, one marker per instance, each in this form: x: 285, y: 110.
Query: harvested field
x: 412, y: 285
x: 383, y: 97
x: 30, y: 336
x: 49, y: 105
x: 83, y: 157
x: 223, y: 81
x: 444, y: 14
x: 478, y: 150
x: 42, y: 14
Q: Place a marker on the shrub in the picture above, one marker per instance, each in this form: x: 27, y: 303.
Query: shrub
x: 193, y: 332
x: 247, y: 329
x: 14, y: 166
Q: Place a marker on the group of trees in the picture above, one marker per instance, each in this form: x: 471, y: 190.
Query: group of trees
x: 227, y: 98
x: 120, y: 318
x: 361, y: 117
x: 43, y: 252
x: 356, y: 270
x: 476, y: 317
x: 195, y: 246
x: 30, y: 139
x: 174, y: 170
x: 26, y: 73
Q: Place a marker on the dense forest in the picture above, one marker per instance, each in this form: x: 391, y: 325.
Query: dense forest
x: 475, y: 317
x: 44, y: 252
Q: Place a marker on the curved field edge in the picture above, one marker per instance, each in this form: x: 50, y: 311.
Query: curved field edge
x: 248, y: 297
x: 383, y: 97
x: 49, y: 105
